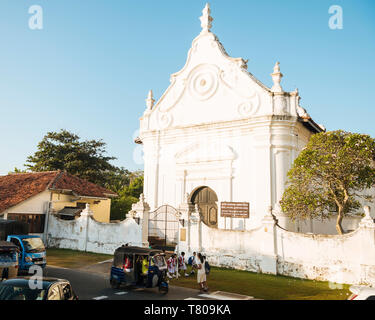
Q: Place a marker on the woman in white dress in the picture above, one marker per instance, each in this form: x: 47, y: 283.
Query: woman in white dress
x: 201, y: 274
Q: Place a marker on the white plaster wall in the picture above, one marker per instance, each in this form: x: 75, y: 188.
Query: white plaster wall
x: 348, y: 258
x: 37, y: 204
x: 86, y: 234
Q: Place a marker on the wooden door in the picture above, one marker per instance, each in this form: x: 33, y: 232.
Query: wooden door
x: 207, y: 202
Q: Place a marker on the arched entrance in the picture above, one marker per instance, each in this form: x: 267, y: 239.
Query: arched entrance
x: 206, y: 199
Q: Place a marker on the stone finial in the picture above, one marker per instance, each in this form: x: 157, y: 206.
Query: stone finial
x: 206, y: 19
x: 367, y: 221
x: 141, y: 205
x: 367, y: 212
x: 87, y: 211
x: 276, y: 78
x: 150, y: 100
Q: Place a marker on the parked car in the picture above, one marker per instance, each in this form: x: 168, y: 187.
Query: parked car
x: 362, y: 293
x: 50, y: 289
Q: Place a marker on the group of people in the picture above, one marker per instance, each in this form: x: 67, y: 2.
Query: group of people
x: 197, y: 262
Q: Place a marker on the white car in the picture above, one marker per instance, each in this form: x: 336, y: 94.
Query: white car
x: 362, y: 293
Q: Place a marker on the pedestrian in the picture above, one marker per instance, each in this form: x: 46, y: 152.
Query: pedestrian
x: 171, y: 267
x: 182, y: 264
x: 175, y: 269
x: 207, y: 266
x: 201, y: 274
x: 192, y: 262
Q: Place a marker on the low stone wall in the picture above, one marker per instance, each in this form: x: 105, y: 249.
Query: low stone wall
x: 86, y: 234
x: 348, y: 258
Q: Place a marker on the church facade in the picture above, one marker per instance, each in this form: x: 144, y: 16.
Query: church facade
x: 220, y: 141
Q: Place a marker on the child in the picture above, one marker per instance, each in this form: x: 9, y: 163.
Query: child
x: 182, y: 264
x: 171, y: 267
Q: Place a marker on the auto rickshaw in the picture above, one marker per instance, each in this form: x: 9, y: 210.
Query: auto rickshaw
x: 8, y: 260
x: 139, y: 267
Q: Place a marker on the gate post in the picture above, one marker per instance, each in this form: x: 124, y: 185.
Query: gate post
x: 366, y: 231
x: 195, y: 230
x: 142, y: 210
x: 86, y: 215
x: 186, y: 208
x: 268, y: 245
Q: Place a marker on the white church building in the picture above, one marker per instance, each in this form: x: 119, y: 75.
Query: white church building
x: 220, y: 140
x: 217, y: 148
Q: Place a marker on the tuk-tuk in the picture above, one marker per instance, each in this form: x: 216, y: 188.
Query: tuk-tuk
x: 139, y: 267
x: 8, y: 260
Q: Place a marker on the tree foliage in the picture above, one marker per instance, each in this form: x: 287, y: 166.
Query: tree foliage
x: 65, y: 151
x: 87, y: 159
x: 329, y: 176
x: 127, y: 195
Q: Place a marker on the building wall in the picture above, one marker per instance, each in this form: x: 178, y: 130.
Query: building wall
x: 34, y: 205
x: 100, y: 207
x: 39, y: 205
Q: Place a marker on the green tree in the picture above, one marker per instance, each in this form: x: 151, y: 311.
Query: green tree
x: 65, y: 151
x: 330, y: 176
x: 128, y: 194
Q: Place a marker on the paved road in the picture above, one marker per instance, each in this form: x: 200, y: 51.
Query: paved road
x: 92, y: 282
x: 89, y: 285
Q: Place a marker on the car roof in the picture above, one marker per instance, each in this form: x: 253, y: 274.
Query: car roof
x: 25, y: 236
x: 24, y: 281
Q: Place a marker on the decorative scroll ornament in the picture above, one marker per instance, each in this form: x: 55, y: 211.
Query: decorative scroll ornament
x: 203, y: 82
x: 249, y: 107
x: 302, y: 113
x: 206, y: 19
x: 164, y: 119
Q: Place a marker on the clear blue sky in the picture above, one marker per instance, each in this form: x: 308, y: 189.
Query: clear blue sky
x: 90, y: 68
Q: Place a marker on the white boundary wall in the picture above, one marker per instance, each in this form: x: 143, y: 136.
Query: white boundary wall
x: 86, y: 234
x: 348, y: 258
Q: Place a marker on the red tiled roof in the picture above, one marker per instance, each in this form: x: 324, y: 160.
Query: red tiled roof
x: 15, y: 188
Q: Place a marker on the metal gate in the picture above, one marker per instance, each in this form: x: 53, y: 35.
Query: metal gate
x: 163, y: 228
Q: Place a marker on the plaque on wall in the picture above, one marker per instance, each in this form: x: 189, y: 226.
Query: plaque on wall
x: 183, y: 234
x: 235, y: 209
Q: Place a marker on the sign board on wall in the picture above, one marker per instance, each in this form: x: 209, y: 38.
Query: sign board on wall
x: 183, y: 234
x: 235, y: 209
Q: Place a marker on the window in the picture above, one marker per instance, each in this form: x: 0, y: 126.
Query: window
x: 16, y: 242
x: 54, y: 293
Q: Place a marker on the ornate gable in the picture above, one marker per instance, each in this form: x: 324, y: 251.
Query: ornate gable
x: 214, y: 87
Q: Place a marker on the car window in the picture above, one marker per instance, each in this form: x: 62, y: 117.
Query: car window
x: 370, y: 298
x: 16, y: 242
x: 66, y: 291
x: 54, y: 293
